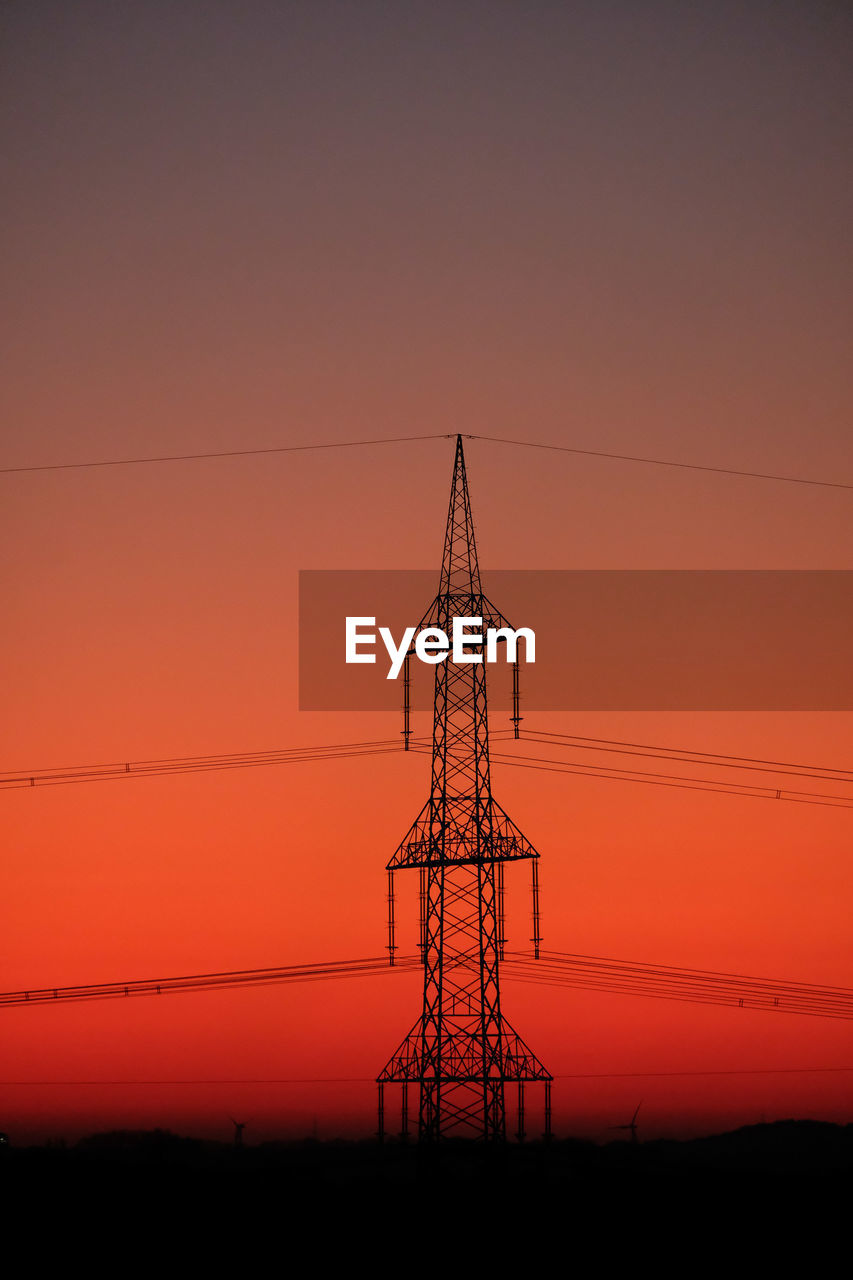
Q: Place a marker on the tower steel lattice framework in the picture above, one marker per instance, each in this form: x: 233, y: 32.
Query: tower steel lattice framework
x: 461, y: 1053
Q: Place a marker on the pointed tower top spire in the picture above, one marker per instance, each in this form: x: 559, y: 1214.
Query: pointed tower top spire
x: 460, y: 572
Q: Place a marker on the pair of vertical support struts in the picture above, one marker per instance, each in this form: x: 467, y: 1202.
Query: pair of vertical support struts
x: 461, y: 1053
x: 500, y: 894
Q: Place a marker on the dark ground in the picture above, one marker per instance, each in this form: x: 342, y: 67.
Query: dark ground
x: 771, y: 1197
x: 766, y: 1152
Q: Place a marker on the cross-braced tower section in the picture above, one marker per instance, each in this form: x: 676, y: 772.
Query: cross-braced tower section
x: 461, y: 1052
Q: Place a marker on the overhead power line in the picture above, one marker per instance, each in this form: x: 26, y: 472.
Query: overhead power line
x: 352, y: 444
x: 168, y: 766
x: 663, y: 462
x: 688, y: 755
x: 226, y: 453
x: 584, y: 769
x: 372, y: 966
x: 553, y: 968
x: 693, y: 986
x: 558, y: 1075
x: 66, y: 775
x: 664, y: 780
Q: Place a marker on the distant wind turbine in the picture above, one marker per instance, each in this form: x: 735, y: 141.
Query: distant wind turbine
x: 632, y: 1125
x: 239, y: 1126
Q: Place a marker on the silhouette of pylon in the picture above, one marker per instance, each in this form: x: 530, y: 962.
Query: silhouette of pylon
x: 461, y: 1052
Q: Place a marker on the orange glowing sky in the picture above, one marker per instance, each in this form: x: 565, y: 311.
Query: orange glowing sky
x: 227, y: 226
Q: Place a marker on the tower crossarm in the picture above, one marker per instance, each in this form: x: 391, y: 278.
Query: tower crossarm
x: 422, y: 847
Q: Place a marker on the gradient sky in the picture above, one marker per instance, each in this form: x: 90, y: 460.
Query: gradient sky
x: 615, y: 226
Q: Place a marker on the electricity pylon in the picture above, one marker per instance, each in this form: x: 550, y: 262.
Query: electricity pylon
x: 461, y: 1052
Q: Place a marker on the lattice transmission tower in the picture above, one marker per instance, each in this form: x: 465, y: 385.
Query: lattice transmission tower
x: 461, y: 1052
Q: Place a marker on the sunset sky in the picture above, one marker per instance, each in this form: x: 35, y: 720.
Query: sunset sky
x: 226, y: 226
